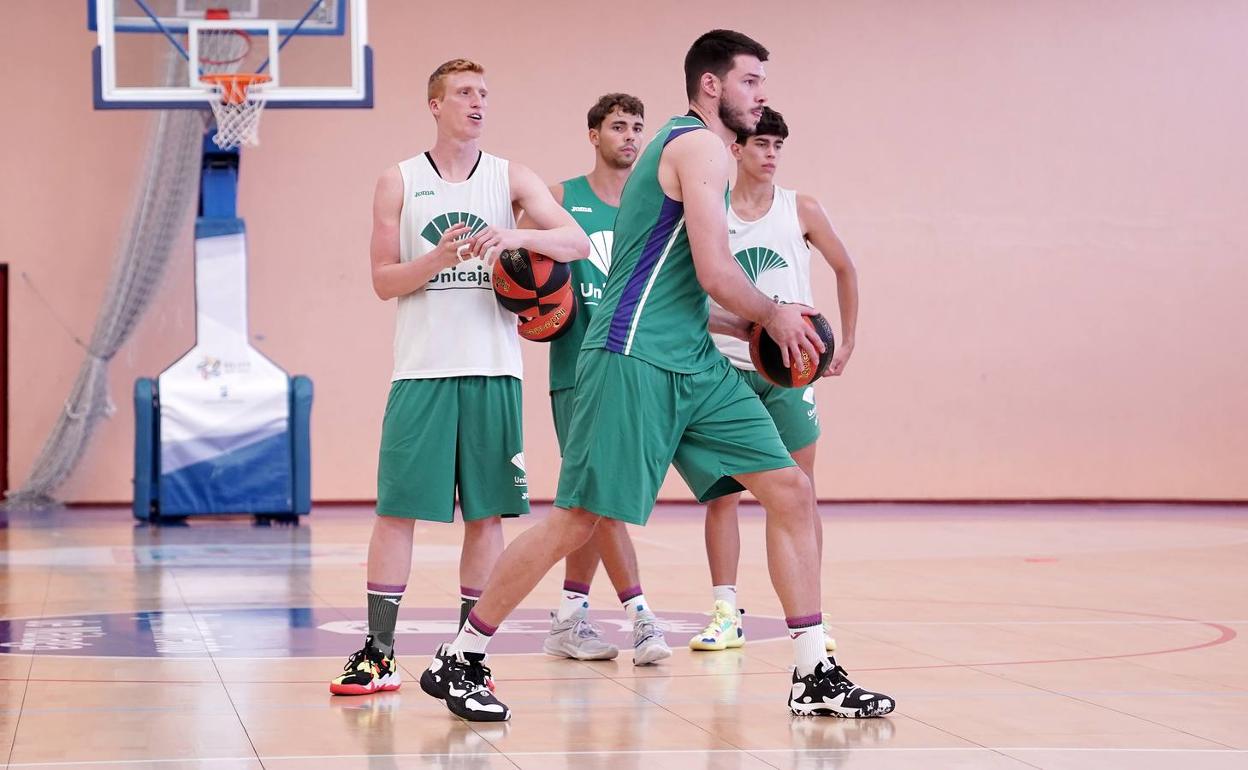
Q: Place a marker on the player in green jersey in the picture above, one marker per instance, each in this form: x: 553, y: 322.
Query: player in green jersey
x: 615, y: 124
x: 652, y: 391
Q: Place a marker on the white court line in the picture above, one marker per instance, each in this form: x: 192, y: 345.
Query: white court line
x: 639, y: 752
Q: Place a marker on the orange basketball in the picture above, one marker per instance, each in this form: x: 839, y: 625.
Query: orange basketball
x: 523, y: 281
x: 553, y: 318
x: 765, y: 354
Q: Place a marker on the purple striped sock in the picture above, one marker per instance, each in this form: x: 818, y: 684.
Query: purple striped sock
x: 480, y: 626
x: 572, y: 585
x: 385, y: 588
x: 805, y: 621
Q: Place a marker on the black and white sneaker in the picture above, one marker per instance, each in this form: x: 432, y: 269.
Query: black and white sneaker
x: 461, y: 681
x: 828, y: 693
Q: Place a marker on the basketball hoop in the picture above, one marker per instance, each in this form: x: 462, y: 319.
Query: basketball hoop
x: 237, y: 101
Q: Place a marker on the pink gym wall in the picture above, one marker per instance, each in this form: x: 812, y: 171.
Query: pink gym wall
x: 1047, y: 204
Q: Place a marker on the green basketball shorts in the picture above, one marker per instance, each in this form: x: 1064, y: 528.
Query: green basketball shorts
x: 452, y: 435
x: 791, y: 409
x: 631, y: 420
x: 561, y: 402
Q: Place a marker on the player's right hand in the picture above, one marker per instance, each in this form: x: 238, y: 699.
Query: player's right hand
x: 453, y: 246
x: 788, y: 327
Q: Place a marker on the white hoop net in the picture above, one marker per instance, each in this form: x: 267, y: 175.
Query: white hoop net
x: 237, y: 105
x: 222, y: 50
x: 236, y: 102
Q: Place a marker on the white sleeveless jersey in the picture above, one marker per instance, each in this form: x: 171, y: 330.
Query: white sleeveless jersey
x: 774, y: 254
x: 453, y: 326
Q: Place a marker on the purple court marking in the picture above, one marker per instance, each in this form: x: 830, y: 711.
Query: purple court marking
x: 297, y: 632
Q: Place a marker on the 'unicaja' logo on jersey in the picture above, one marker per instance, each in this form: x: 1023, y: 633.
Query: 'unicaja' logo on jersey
x: 440, y: 224
x: 470, y: 274
x: 757, y: 260
x: 600, y: 245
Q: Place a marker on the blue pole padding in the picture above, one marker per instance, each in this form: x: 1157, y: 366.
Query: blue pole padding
x: 146, y: 471
x: 301, y: 443
x: 218, y: 182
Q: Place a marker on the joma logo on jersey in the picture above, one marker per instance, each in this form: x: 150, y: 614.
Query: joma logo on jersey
x: 423, y: 193
x: 582, y: 210
x: 757, y: 260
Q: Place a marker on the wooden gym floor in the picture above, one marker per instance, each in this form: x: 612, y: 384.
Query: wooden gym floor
x: 1012, y: 636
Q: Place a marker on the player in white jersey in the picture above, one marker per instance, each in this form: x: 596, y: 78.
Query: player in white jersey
x: 452, y: 425
x: 770, y: 232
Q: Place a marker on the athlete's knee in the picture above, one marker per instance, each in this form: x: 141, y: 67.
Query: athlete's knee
x: 786, y: 489
x: 393, y: 524
x: 609, y: 527
x: 576, y: 525
x: 723, y: 507
x: 488, y: 524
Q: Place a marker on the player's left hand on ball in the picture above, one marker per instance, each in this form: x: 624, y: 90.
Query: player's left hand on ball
x: 836, y: 366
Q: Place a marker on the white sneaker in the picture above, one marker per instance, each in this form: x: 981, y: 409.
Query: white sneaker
x: 649, y: 646
x: 578, y: 639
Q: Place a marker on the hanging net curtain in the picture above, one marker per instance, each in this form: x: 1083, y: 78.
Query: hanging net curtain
x: 163, y: 206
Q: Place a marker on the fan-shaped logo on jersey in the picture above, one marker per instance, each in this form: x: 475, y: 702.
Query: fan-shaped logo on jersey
x: 757, y: 260
x: 600, y: 245
x: 440, y: 224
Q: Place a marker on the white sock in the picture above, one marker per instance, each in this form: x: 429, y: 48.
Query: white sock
x: 635, y: 606
x: 726, y: 594
x: 808, y: 644
x: 471, y: 639
x: 570, y: 603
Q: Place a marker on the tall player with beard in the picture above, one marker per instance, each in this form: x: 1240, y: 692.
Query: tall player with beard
x: 452, y: 424
x: 652, y: 391
x: 770, y: 232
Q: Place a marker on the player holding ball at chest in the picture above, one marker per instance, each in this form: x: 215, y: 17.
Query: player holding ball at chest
x: 452, y: 425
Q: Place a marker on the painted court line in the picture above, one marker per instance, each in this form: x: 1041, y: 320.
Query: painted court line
x: 646, y: 752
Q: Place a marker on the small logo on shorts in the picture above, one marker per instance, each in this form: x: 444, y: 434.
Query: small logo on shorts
x: 809, y: 397
x: 521, y: 480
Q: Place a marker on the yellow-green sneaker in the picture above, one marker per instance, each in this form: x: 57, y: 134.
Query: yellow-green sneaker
x: 723, y: 632
x: 367, y: 671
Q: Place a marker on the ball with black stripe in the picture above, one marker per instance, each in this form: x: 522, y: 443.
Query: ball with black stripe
x: 765, y: 355
x: 539, y: 290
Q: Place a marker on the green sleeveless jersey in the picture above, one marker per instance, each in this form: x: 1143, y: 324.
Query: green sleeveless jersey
x: 589, y: 276
x: 653, y: 307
